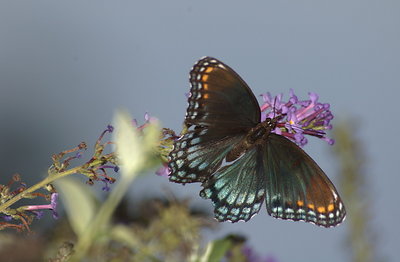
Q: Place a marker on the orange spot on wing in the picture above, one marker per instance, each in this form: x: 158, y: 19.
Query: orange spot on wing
x: 209, y: 69
x: 205, y: 96
x: 321, y: 209
x: 205, y: 86
x: 204, y: 78
x: 331, y: 207
x: 300, y: 203
x: 311, y: 206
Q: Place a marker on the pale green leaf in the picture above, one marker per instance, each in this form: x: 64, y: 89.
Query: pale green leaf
x: 79, y: 203
x: 134, y: 150
x: 128, y: 144
x: 216, y: 250
x: 124, y: 234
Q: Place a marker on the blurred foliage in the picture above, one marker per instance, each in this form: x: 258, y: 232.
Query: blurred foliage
x: 349, y: 151
x: 95, y: 229
x: 163, y: 230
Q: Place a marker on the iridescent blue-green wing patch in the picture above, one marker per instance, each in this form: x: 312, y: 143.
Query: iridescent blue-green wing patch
x: 237, y: 189
x: 198, y: 154
x: 297, y: 188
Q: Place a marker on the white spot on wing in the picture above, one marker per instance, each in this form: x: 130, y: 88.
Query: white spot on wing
x: 221, y: 66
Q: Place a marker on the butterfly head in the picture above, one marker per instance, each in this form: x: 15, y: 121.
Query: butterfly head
x: 270, y: 123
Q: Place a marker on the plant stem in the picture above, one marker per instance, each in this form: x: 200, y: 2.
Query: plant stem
x: 37, y: 186
x: 102, y: 219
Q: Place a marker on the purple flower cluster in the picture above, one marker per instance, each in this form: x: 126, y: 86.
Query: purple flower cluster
x: 297, y: 118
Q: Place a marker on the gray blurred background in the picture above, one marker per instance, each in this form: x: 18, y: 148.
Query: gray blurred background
x: 66, y: 66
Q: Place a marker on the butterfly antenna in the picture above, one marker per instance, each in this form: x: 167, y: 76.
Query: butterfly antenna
x: 274, y: 108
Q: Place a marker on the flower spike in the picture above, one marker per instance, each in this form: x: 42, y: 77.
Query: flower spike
x: 297, y: 118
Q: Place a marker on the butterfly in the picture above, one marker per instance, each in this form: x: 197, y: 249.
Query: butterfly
x: 240, y: 162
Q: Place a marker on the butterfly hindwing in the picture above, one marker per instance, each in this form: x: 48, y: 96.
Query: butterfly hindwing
x: 297, y: 188
x: 237, y: 189
x: 197, y: 154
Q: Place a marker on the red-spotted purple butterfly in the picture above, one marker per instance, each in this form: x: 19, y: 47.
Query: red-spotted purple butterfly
x: 239, y: 162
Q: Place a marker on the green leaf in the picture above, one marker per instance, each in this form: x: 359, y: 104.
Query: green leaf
x: 128, y: 144
x: 79, y: 203
x: 216, y: 250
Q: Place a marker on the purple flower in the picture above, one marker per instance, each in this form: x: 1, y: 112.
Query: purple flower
x: 163, y: 171
x: 251, y: 256
x: 53, y: 203
x: 106, y: 179
x: 7, y: 218
x: 52, y: 206
x: 298, y: 118
x: 147, y: 118
x: 39, y: 213
x: 110, y: 128
x: 106, y: 186
x: 135, y: 123
x: 115, y: 168
x: 78, y: 155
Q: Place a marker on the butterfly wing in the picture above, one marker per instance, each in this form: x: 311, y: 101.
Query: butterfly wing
x: 198, y: 154
x: 219, y: 98
x: 297, y: 188
x: 237, y: 189
x: 222, y: 108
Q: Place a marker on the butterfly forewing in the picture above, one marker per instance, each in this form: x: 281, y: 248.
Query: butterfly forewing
x: 221, y: 110
x: 237, y: 190
x: 297, y: 188
x: 220, y: 99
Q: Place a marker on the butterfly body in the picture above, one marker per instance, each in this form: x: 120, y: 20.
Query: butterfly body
x: 238, y: 159
x: 255, y: 136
